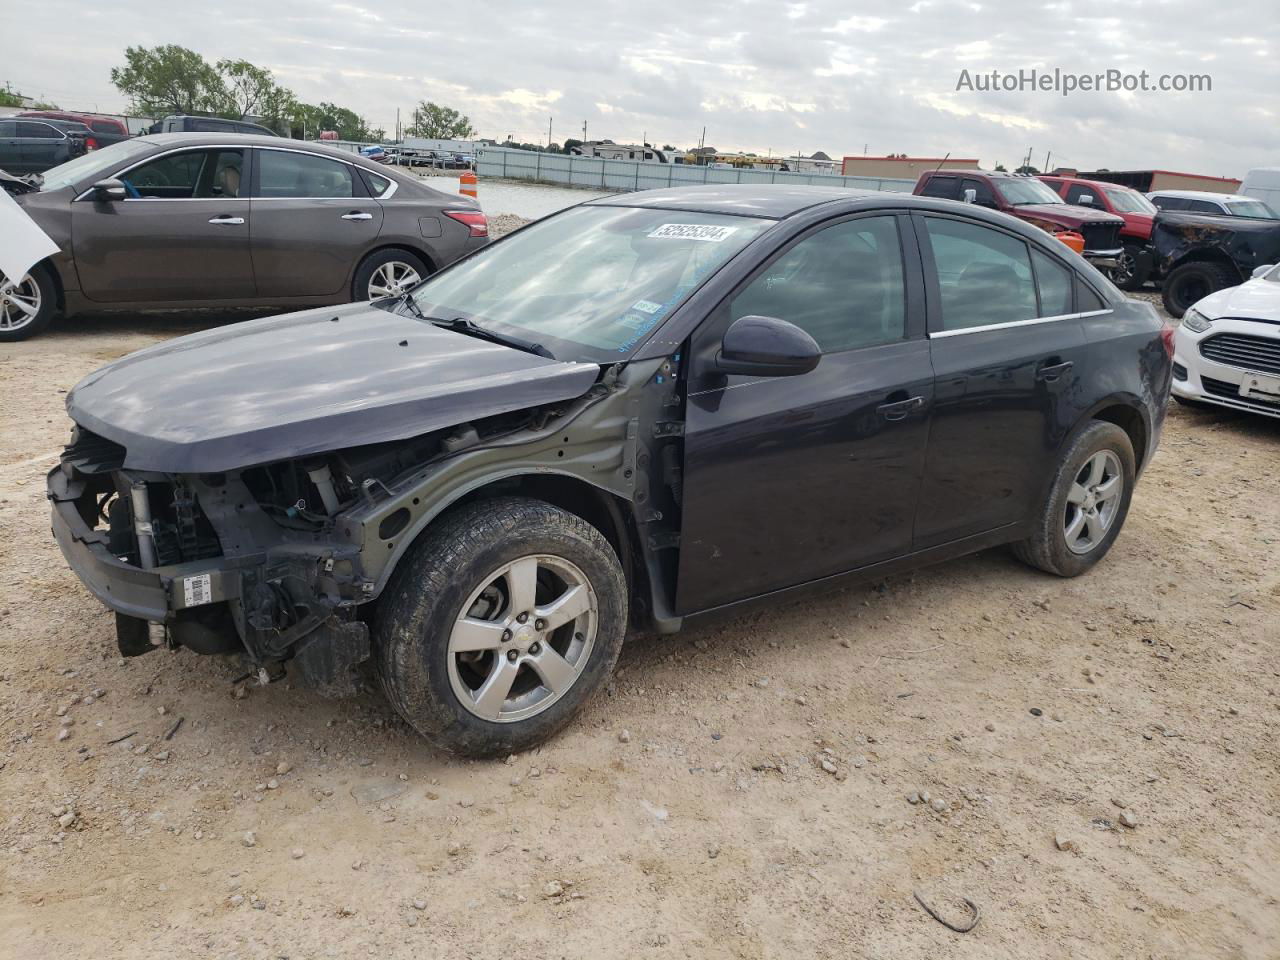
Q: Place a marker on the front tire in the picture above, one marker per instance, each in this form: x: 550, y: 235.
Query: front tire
x: 1191, y: 282
x: 499, y: 625
x: 1129, y: 274
x: 1087, y: 504
x: 27, y: 307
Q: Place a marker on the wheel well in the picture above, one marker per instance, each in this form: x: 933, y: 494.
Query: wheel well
x: 607, y: 513
x: 1130, y: 421
x: 1207, y: 255
x: 47, y: 266
x: 416, y: 251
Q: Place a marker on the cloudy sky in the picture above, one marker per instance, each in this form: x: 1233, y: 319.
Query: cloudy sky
x: 776, y: 76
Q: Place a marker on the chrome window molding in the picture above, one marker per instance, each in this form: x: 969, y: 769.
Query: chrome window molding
x: 939, y: 334
x: 385, y: 195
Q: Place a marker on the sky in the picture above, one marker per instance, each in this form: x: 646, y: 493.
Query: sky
x: 776, y: 76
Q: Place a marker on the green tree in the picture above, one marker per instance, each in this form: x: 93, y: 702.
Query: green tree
x: 169, y: 79
x: 252, y: 90
x: 328, y: 116
x: 570, y: 143
x: 8, y: 99
x: 434, y: 122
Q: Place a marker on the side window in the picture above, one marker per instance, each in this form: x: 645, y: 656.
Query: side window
x: 37, y: 131
x: 1078, y: 190
x: 1205, y: 206
x: 984, y: 276
x: 376, y: 183
x: 8, y: 128
x: 285, y: 174
x: 1171, y: 203
x: 945, y: 188
x: 982, y: 193
x: 1086, y: 299
x: 210, y: 126
x: 843, y: 285
x: 192, y: 175
x: 1054, y: 283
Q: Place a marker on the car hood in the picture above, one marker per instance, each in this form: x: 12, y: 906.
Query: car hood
x: 1067, y: 214
x: 1254, y: 299
x: 305, y: 383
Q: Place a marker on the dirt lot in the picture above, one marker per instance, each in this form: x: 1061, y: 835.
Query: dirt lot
x: 688, y: 813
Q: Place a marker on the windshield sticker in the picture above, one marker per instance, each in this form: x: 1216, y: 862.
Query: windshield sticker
x: 646, y: 306
x: 692, y: 231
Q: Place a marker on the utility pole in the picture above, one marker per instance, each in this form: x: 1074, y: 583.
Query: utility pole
x: 584, y: 131
x: 398, y: 137
x: 703, y: 141
x: 549, y: 119
x: 1047, y: 155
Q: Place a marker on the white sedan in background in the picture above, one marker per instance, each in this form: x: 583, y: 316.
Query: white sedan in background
x: 1227, y: 348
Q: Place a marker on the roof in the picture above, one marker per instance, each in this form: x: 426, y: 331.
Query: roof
x: 773, y: 201
x: 1199, y: 195
x: 972, y: 160
x: 1071, y: 177
x: 1168, y: 173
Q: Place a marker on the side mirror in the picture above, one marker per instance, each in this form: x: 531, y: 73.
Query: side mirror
x: 109, y: 190
x: 971, y: 195
x: 1262, y: 271
x: 767, y: 347
x: 1086, y: 200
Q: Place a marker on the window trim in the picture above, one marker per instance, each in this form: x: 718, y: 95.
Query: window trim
x: 87, y: 195
x: 60, y: 134
x: 987, y: 327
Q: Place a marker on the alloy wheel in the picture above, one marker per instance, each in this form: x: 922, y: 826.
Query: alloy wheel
x: 392, y: 279
x: 1093, y: 502
x: 19, y: 304
x: 523, y: 639
x: 1122, y: 273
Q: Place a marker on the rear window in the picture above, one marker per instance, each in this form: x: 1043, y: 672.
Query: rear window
x: 945, y: 188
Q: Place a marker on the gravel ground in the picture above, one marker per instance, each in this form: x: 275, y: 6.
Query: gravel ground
x: 1100, y: 757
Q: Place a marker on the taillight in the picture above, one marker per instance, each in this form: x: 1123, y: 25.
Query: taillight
x: 90, y: 144
x: 1166, y: 335
x: 476, y: 221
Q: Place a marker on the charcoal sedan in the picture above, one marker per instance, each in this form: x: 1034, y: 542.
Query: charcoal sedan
x: 639, y: 411
x: 229, y: 220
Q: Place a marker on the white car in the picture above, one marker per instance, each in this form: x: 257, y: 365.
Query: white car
x: 1226, y: 351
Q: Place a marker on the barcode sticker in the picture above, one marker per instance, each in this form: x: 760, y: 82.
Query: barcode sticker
x: 692, y: 231
x: 197, y: 590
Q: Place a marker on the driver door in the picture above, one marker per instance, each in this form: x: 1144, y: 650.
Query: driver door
x: 182, y: 234
x: 792, y: 479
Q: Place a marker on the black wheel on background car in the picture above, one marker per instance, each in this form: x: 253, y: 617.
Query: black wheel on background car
x: 26, y: 307
x: 499, y: 624
x: 1087, y: 504
x: 1192, y: 282
x: 387, y: 273
x: 1129, y: 272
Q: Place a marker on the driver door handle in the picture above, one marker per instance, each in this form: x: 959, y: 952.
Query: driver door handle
x: 357, y: 215
x: 1050, y: 372
x: 900, y: 409
x: 227, y: 221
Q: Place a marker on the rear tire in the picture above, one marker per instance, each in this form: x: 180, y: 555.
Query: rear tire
x: 456, y: 660
x: 1078, y: 523
x: 387, y: 273
x: 1191, y: 282
x: 28, y: 307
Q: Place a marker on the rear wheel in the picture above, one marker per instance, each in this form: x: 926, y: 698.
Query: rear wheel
x: 26, y: 307
x: 1192, y: 282
x: 499, y: 625
x: 388, y: 273
x: 1087, y: 503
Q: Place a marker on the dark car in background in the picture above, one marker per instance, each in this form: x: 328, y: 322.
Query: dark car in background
x: 181, y: 123
x: 105, y: 130
x: 35, y: 145
x: 227, y: 220
x: 1199, y: 254
x: 641, y: 410
x: 1026, y: 198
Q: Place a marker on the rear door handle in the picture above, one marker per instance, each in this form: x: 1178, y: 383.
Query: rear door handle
x: 225, y: 221
x: 357, y: 215
x: 900, y: 409
x: 1052, y: 371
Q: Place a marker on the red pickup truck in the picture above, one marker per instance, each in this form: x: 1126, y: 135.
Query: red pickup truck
x: 1134, y: 266
x: 1026, y: 198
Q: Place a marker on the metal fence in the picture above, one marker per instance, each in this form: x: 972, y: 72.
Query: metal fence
x: 601, y: 174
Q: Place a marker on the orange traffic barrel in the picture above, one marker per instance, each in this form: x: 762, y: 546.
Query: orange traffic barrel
x: 467, y: 187
x: 1072, y: 239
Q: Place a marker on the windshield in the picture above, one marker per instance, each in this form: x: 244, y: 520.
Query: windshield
x: 1129, y: 201
x: 1251, y: 208
x: 87, y: 167
x: 589, y: 283
x: 1017, y: 192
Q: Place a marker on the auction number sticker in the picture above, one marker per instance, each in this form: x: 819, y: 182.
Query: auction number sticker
x: 197, y: 590
x: 692, y: 231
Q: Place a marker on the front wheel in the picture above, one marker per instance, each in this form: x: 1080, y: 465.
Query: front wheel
x: 499, y: 625
x: 1130, y: 271
x: 1087, y: 505
x: 1192, y: 282
x: 26, y: 307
